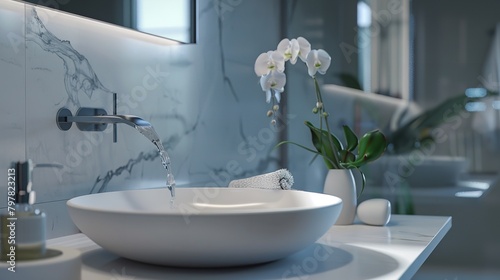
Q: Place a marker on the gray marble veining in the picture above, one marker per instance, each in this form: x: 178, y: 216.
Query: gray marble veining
x: 79, y: 76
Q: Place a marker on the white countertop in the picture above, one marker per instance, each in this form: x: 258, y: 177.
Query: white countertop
x: 358, y: 251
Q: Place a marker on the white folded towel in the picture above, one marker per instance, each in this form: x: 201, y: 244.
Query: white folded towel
x: 280, y: 179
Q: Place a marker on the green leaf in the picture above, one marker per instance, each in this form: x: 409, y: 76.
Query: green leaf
x: 296, y: 144
x: 328, y: 162
x: 321, y: 142
x: 347, y: 156
x: 371, y: 146
x: 322, y: 135
x: 350, y: 138
x: 363, y: 181
x: 372, y: 143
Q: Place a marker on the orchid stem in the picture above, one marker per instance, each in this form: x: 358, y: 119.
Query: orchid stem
x: 323, y: 114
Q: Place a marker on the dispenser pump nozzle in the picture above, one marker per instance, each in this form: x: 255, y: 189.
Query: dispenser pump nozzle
x: 25, y: 194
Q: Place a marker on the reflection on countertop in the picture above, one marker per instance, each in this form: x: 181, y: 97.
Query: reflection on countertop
x: 468, y: 186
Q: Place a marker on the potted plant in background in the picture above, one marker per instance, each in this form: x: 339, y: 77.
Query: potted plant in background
x: 413, y: 158
x: 340, y: 159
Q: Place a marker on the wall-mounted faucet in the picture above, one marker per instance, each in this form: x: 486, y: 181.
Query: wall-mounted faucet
x: 95, y: 119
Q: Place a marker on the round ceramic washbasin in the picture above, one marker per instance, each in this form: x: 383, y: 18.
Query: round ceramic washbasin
x: 205, y: 227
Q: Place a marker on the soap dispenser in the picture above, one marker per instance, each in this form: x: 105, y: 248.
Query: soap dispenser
x: 23, y: 225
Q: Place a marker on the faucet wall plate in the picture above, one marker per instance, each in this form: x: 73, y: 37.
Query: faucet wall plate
x: 90, y: 119
x: 96, y: 119
x: 85, y: 112
x: 65, y: 119
x: 62, y: 119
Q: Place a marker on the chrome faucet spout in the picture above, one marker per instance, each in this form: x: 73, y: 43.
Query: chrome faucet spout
x: 130, y: 120
x: 96, y: 119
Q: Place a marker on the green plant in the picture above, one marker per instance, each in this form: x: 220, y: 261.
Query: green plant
x: 420, y: 128
x: 356, y: 152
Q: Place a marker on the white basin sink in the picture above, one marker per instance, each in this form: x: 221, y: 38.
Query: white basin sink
x: 206, y: 227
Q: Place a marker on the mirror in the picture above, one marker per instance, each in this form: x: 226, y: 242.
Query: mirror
x: 172, y: 19
x: 441, y: 51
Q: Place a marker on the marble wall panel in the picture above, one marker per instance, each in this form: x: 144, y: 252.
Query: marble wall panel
x: 204, y: 101
x: 12, y: 90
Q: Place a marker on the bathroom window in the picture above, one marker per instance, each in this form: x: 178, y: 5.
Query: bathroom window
x: 384, y: 47
x: 364, y: 22
x: 170, y: 19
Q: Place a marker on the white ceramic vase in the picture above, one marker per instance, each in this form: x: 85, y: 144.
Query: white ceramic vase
x: 341, y: 183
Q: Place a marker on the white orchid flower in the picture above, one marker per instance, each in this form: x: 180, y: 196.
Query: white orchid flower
x: 289, y: 49
x: 304, y: 48
x: 268, y: 62
x: 273, y: 82
x: 317, y: 61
